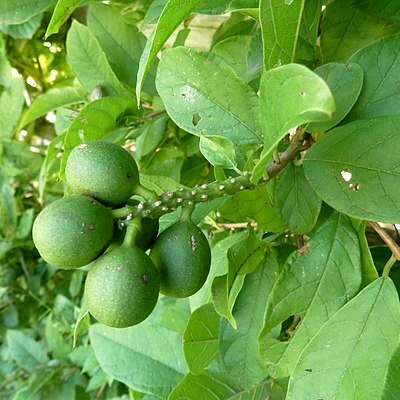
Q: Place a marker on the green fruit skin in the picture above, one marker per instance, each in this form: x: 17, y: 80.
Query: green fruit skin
x: 122, y: 287
x: 102, y: 170
x: 182, y: 256
x: 72, y: 231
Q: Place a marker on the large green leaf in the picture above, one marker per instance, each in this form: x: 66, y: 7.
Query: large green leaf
x: 19, y: 11
x: 387, y: 9
x: 297, y: 203
x: 200, y: 340
x: 52, y: 100
x: 239, y: 347
x: 25, y: 30
x: 174, y: 12
x: 146, y: 357
x: 345, y: 82
x: 202, y: 93
x: 392, y: 381
x: 122, y: 43
x: 280, y: 24
x: 348, y: 358
x: 346, y: 28
x: 290, y: 96
x: 380, y: 93
x: 89, y: 62
x: 313, y: 285
x: 354, y: 169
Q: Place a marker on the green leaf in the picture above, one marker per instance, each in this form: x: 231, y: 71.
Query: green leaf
x: 208, y: 386
x: 95, y: 120
x: 52, y: 100
x: 345, y: 82
x: 166, y: 162
x: 174, y: 12
x: 253, y: 204
x: 89, y: 62
x: 61, y: 13
x: 350, y: 354
x: 313, y: 285
x: 380, y: 62
x: 200, y: 340
x: 11, y: 97
x: 56, y: 343
x: 121, y: 42
x: 386, y: 9
x: 262, y: 391
x: 297, y: 203
x: 19, y: 11
x: 244, y: 257
x: 280, y: 24
x: 345, y: 29
x: 25, y: 351
x: 218, y: 150
x: 129, y: 354
x: 392, y: 380
x: 351, y: 169
x: 26, y: 30
x: 239, y: 347
x: 202, y: 93
x: 290, y: 96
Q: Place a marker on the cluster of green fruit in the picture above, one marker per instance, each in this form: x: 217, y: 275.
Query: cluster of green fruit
x: 123, y: 282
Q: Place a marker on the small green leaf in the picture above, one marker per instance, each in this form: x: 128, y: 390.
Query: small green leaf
x: 174, y: 12
x: 218, y: 150
x: 61, y: 13
x: 25, y: 351
x: 208, y: 386
x: 52, y: 100
x: 351, y: 169
x: 306, y: 288
x: 297, y: 203
x: 345, y: 82
x: 200, y: 340
x: 202, y: 93
x: 280, y: 24
x: 89, y: 62
x: 290, y: 96
x: 26, y: 30
x: 129, y: 354
x: 350, y: 355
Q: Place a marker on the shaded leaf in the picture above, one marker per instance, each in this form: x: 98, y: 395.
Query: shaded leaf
x: 239, y: 347
x: 297, y: 203
x: 19, y: 11
x: 345, y: 82
x: 350, y: 169
x: 314, y: 285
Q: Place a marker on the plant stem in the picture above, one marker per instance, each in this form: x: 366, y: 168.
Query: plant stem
x: 386, y: 270
x: 393, y: 246
x: 133, y: 228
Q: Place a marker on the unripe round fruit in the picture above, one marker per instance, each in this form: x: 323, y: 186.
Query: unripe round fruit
x: 102, y: 170
x: 122, y: 287
x: 182, y: 256
x: 72, y: 231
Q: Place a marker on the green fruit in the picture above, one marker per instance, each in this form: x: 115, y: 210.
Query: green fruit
x: 122, y: 287
x: 72, y: 231
x: 102, y: 170
x: 182, y: 256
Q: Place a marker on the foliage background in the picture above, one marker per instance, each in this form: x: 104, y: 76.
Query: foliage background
x: 219, y: 100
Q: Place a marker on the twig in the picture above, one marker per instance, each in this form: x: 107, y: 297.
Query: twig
x: 387, y: 239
